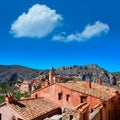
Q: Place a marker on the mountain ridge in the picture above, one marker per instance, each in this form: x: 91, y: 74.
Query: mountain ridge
x: 92, y: 72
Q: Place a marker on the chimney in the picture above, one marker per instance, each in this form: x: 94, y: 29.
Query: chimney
x: 99, y: 81
x: 47, y: 83
x: 88, y: 83
x: 9, y: 98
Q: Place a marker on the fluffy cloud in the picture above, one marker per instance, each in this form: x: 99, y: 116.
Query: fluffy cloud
x: 90, y: 31
x: 38, y: 22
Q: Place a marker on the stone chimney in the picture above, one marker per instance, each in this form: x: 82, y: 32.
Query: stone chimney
x: 88, y: 83
x: 99, y: 81
x: 9, y: 98
x: 47, y: 83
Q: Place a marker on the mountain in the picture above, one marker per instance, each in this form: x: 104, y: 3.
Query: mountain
x: 16, y: 72
x: 117, y: 75
x: 87, y: 72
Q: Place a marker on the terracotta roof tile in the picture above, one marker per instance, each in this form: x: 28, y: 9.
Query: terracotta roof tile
x: 98, y: 91
x: 30, y: 109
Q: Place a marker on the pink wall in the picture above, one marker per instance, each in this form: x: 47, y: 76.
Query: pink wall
x: 7, y: 113
x: 51, y: 93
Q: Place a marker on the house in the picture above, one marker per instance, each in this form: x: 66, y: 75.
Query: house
x: 25, y: 86
x: 27, y: 109
x: 73, y: 93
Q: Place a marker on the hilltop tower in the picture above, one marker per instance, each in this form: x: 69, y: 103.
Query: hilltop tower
x: 51, y: 75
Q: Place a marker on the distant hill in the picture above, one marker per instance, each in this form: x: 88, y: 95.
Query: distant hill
x: 92, y: 72
x: 16, y: 72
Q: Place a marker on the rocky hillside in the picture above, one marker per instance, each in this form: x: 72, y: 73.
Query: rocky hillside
x: 88, y: 72
x: 117, y: 75
x: 15, y: 72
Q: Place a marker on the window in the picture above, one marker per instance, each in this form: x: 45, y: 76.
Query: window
x: 109, y: 114
x: 85, y: 116
x: 83, y: 99
x: 36, y: 96
x: 0, y: 116
x: 101, y: 114
x: 67, y: 97
x: 71, y: 117
x: 59, y: 96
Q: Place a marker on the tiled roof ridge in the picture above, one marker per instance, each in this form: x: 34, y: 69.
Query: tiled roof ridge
x: 93, y: 84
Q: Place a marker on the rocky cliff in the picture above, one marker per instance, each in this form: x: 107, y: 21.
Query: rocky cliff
x: 88, y: 72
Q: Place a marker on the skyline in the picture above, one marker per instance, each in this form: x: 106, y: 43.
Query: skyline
x: 41, y: 33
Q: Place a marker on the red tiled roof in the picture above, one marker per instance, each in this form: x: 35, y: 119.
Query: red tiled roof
x: 30, y: 109
x: 98, y: 91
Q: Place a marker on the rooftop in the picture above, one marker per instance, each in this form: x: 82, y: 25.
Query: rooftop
x: 30, y: 109
x: 99, y: 91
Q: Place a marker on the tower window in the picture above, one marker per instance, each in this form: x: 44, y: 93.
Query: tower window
x: 59, y: 96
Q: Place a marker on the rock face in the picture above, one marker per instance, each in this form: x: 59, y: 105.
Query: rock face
x: 91, y: 72
x: 117, y: 75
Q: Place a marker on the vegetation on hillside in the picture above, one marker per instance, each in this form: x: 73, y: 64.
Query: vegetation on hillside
x: 9, y: 87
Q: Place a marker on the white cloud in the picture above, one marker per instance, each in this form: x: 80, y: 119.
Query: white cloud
x: 90, y: 31
x: 38, y: 22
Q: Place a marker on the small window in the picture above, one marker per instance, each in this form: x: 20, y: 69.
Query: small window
x: 0, y: 116
x: 83, y: 99
x: 67, y: 97
x: 36, y: 96
x: 59, y: 96
x: 71, y: 117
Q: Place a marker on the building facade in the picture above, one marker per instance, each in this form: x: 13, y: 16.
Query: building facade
x: 74, y: 93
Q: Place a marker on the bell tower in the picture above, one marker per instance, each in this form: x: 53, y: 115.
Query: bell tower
x: 51, y: 75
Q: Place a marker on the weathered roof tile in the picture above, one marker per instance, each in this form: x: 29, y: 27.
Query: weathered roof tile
x: 33, y: 108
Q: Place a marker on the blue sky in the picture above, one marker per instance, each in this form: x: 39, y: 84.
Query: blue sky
x: 44, y: 33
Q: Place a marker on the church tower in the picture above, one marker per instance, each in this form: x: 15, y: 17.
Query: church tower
x: 51, y: 75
